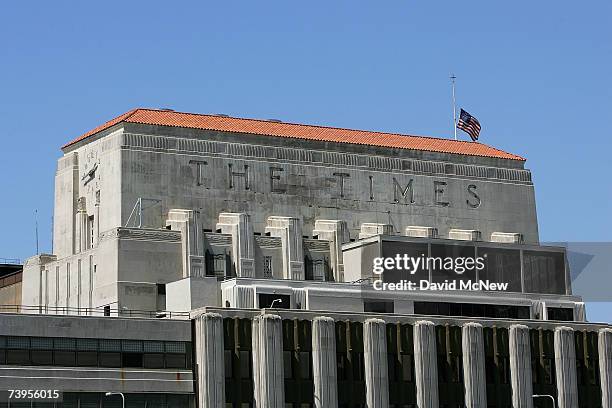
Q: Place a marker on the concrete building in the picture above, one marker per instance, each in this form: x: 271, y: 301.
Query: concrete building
x: 252, y: 243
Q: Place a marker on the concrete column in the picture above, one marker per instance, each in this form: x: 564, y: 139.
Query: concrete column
x: 243, y: 241
x: 210, y: 360
x: 605, y: 366
x: 324, y: 362
x: 289, y: 229
x: 337, y: 233
x: 192, y: 243
x: 565, y: 368
x: 426, y: 364
x: 239, y: 297
x: 520, y: 367
x: 370, y: 229
x: 579, y: 312
x: 269, y: 386
x: 81, y: 231
x: 67, y: 186
x: 539, y: 310
x: 474, y: 366
x: 375, y: 356
x: 299, y: 298
x: 97, y: 219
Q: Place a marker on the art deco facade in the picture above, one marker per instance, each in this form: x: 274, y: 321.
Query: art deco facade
x: 227, y: 262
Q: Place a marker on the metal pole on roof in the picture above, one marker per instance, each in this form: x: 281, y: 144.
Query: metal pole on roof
x: 453, y: 77
x: 36, y: 228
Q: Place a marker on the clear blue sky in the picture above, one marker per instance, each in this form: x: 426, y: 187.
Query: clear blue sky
x: 538, y: 75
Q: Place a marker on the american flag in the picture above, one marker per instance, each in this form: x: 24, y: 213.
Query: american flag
x: 469, y: 125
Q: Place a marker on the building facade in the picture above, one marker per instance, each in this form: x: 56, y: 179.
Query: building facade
x: 252, y: 244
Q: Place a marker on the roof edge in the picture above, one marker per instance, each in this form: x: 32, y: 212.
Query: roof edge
x: 127, y: 115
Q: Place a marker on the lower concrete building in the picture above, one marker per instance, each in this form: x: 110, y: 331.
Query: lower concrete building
x: 149, y: 360
x: 240, y: 358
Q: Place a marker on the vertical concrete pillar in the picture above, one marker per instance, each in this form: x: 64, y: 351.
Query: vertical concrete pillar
x: 192, y: 244
x: 81, y: 223
x: 605, y: 366
x: 268, y: 375
x: 474, y: 366
x: 565, y: 368
x: 520, y: 367
x: 375, y: 356
x: 426, y: 364
x: 243, y: 241
x: 239, y: 297
x: 97, y: 219
x: 210, y: 360
x: 370, y: 229
x: 67, y: 186
x: 299, y: 298
x: 337, y: 233
x: 579, y: 312
x: 324, y: 362
x: 289, y: 230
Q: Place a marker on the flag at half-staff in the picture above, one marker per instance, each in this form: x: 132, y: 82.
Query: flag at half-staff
x: 469, y: 125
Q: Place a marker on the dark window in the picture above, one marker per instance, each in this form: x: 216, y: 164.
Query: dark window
x: 87, y: 358
x: 288, y: 364
x: 107, y: 310
x: 501, y: 266
x: 245, y: 364
x: 110, y: 359
x: 544, y: 272
x: 560, y: 313
x: 64, y: 358
x: 42, y: 357
x: 228, y: 357
x: 450, y: 365
x: 132, y: 360
x: 219, y: 265
x: 378, y: 306
x: 471, y: 310
x: 317, y: 269
x: 153, y: 360
x: 438, y: 271
x: 18, y: 357
x: 280, y: 301
x: 175, y: 361
x: 161, y: 288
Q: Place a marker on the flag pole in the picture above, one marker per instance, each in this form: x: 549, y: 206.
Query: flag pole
x: 453, y: 77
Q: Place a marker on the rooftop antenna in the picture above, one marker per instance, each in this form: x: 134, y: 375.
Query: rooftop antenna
x: 452, y: 78
x: 36, y: 228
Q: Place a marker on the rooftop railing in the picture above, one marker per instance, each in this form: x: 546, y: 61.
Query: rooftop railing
x: 98, y: 311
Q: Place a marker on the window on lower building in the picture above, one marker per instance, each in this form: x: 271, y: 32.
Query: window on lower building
x: 563, y: 314
x: 400, y: 365
x: 378, y: 306
x: 87, y: 352
x: 472, y: 310
x: 237, y: 343
x: 350, y: 364
x: 450, y: 365
x: 297, y: 355
x: 267, y: 300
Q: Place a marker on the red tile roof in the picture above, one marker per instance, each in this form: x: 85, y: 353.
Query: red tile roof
x: 298, y: 131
